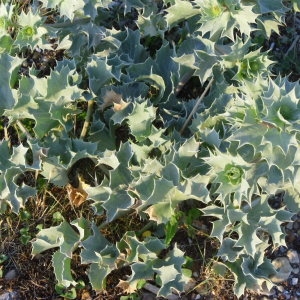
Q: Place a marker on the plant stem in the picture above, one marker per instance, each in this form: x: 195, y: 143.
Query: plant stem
x: 24, y: 130
x: 196, y: 105
x: 87, y: 120
x: 296, y: 39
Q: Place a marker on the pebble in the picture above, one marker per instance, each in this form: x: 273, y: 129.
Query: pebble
x: 294, y: 281
x: 293, y: 256
x: 195, y: 274
x: 11, y: 274
x: 9, y: 296
x: 283, y: 268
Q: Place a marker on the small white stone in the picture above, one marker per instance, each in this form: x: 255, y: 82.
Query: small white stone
x: 283, y: 268
x: 295, y: 270
x: 195, y: 274
x: 294, y: 281
x: 293, y: 256
x: 8, y: 296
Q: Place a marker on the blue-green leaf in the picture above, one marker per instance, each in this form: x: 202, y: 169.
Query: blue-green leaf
x: 62, y: 236
x: 62, y: 269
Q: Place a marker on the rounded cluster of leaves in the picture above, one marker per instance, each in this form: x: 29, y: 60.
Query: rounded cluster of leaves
x: 28, y: 32
x: 281, y: 105
x: 233, y: 174
x: 211, y: 10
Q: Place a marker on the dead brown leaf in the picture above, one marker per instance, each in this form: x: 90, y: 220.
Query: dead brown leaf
x: 76, y: 195
x: 111, y: 98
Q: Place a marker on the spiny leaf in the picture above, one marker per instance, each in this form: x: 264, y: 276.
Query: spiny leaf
x: 137, y: 250
x: 4, y: 158
x: 18, y: 155
x: 62, y: 269
x: 121, y: 176
x: 11, y: 193
x: 91, y: 6
x: 270, y: 6
x: 62, y: 236
x: 140, y: 271
x: 180, y: 11
x: 8, y: 64
x: 140, y: 120
x: 205, y: 63
x: 12, y: 165
x: 170, y: 272
x: 171, y: 229
x: 97, y: 274
x: 55, y: 172
x: 25, y: 102
x: 228, y: 251
x: 118, y: 203
x: 242, y: 281
x: 131, y: 50
x: 83, y: 227
x: 162, y: 73
x: 153, y: 25
x: 99, y: 73
x: 292, y: 198
x: 66, y: 7
x: 185, y: 153
x: 248, y: 238
x: 93, y: 247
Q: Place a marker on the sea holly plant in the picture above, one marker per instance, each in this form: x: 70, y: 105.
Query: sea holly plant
x: 31, y: 32
x: 110, y: 123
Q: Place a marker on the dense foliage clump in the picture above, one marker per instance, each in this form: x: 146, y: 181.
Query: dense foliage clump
x: 167, y: 111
